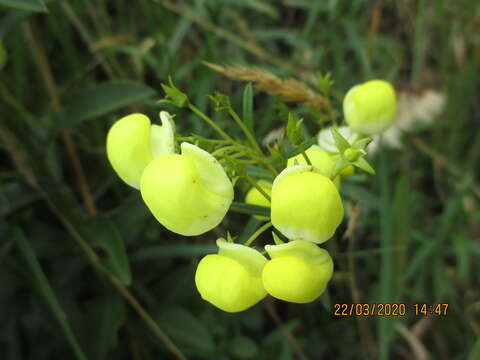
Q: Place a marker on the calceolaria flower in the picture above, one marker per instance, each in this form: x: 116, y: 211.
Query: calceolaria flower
x: 369, y: 108
x: 306, y: 205
x: 188, y: 193
x: 298, y: 272
x: 132, y: 142
x: 232, y: 279
x: 320, y: 159
x: 255, y: 197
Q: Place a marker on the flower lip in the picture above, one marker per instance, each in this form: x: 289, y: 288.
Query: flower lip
x: 163, y: 137
x: 250, y: 258
x: 212, y: 174
x: 300, y: 248
x: 188, y: 193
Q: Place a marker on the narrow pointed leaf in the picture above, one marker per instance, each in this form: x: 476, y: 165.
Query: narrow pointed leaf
x: 101, y: 99
x: 248, y: 107
x: 46, y: 292
x: 29, y: 5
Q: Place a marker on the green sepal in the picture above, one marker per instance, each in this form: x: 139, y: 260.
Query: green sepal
x: 294, y: 133
x: 277, y: 239
x: 341, y: 143
x: 174, y: 95
x: 222, y: 102
x: 363, y: 164
x: 362, y: 143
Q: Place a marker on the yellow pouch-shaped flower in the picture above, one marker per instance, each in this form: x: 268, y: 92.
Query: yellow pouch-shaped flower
x: 369, y: 108
x: 306, y: 205
x: 298, y: 272
x: 320, y: 159
x: 254, y: 197
x: 189, y: 193
x: 232, y: 279
x: 132, y: 142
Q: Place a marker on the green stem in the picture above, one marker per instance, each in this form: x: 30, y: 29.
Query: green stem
x: 305, y: 156
x: 210, y: 122
x: 257, y: 233
x: 256, y: 186
x: 245, y: 130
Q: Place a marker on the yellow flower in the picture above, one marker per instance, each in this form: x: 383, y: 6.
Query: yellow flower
x: 189, y: 193
x: 254, y: 197
x: 320, y: 159
x: 298, y: 272
x: 369, y: 108
x: 306, y: 205
x: 132, y: 142
x: 232, y: 279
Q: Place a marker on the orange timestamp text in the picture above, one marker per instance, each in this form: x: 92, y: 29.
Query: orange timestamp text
x: 389, y: 309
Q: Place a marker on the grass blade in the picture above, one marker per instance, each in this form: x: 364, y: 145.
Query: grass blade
x: 47, y: 292
x: 248, y: 107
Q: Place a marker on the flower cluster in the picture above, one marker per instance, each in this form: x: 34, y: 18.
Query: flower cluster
x: 190, y: 193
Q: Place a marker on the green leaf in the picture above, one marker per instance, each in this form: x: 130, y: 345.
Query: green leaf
x: 3, y: 55
x: 155, y: 252
x: 186, y: 330
x: 248, y: 107
x: 103, y: 234
x: 242, y: 347
x: 341, y: 143
x: 102, y: 99
x: 250, y: 209
x: 46, y: 292
x: 104, y: 317
x: 30, y: 5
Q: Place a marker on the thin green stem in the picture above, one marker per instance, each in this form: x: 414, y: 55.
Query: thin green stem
x: 257, y: 233
x: 210, y: 122
x: 305, y: 156
x: 245, y: 130
x: 256, y: 186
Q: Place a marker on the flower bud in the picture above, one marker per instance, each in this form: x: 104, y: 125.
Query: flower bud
x: 189, y: 193
x: 132, y: 142
x: 306, y: 205
x: 255, y: 197
x: 327, y: 142
x: 298, y: 272
x: 232, y: 279
x: 320, y: 159
x: 369, y: 108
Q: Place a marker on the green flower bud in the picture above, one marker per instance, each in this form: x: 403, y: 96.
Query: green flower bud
x: 132, y: 142
x: 298, y: 272
x: 232, y: 279
x: 369, y: 108
x: 189, y: 193
x: 306, y: 205
x: 255, y: 197
x: 327, y: 142
x: 320, y: 159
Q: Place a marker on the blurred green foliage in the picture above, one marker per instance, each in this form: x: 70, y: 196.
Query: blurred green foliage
x: 73, y: 70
